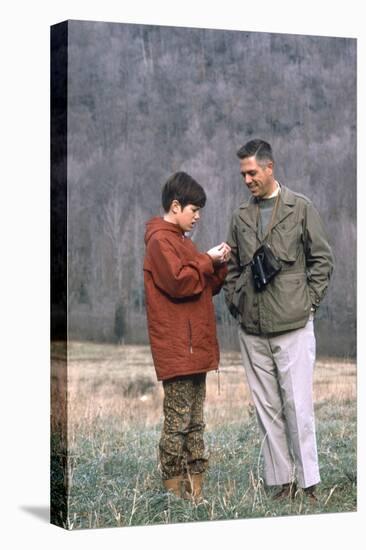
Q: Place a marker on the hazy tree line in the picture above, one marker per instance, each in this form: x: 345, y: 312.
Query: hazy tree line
x: 146, y: 101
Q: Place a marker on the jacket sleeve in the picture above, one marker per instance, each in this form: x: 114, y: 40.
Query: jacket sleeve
x: 217, y: 279
x: 233, y: 267
x: 176, y: 277
x: 318, y: 254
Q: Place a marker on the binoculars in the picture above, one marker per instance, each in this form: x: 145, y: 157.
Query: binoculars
x: 264, y: 265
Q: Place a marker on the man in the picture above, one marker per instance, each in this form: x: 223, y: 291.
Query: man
x: 275, y: 319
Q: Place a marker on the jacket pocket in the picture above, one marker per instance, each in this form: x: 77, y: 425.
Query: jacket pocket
x: 288, y: 299
x: 286, y: 241
x: 200, y: 336
x: 190, y: 343
x: 247, y: 244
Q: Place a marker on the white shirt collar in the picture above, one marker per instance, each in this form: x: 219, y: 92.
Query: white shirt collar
x: 275, y: 192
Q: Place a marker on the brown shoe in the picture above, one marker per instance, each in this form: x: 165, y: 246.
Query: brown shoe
x: 288, y: 490
x: 310, y: 494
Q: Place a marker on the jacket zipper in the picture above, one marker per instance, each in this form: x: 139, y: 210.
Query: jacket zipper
x: 190, y: 337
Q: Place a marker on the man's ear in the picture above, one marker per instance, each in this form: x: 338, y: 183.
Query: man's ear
x: 269, y: 167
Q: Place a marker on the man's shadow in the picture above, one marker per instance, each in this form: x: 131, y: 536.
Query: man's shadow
x: 40, y: 512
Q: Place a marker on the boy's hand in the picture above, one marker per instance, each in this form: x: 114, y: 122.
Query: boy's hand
x: 220, y: 253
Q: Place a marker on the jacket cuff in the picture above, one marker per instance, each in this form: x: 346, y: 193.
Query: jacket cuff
x: 221, y: 269
x: 205, y: 263
x: 315, y: 300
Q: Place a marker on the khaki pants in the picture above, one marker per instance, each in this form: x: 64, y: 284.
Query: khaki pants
x: 181, y: 444
x: 280, y: 375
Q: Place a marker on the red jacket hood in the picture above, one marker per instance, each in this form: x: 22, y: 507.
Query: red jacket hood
x: 159, y: 224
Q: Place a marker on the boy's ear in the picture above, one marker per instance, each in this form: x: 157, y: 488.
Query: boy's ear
x: 175, y: 206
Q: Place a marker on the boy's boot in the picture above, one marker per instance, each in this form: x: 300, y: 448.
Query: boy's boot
x: 193, y: 486
x: 174, y: 485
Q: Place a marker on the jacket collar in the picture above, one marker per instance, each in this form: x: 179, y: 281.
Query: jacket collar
x: 248, y: 210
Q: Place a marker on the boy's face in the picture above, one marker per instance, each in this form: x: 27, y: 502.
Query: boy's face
x: 186, y: 217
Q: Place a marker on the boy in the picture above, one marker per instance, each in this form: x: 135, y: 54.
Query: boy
x: 179, y: 284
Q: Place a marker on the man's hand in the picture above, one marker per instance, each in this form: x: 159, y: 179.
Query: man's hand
x: 220, y: 253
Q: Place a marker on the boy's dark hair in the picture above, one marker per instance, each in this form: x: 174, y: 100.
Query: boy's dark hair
x: 258, y: 148
x: 183, y: 188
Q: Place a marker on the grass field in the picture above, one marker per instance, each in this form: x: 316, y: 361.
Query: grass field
x: 114, y: 413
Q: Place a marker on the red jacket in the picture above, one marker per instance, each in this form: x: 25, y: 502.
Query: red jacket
x: 179, y: 284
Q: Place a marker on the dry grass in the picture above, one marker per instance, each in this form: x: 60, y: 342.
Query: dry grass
x: 114, y: 416
x: 119, y: 383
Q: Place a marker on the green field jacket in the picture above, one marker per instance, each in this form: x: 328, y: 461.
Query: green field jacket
x: 298, y: 239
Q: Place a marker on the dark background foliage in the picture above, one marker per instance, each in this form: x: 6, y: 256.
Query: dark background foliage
x: 145, y: 101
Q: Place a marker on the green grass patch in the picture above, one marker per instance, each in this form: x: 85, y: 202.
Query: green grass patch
x: 118, y: 484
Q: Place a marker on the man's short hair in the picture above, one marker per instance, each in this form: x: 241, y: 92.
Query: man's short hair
x: 183, y: 188
x: 258, y: 148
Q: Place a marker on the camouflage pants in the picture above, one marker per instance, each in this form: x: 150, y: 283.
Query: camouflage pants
x: 181, y: 444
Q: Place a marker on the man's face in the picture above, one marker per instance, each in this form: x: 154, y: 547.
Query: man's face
x: 259, y: 179
x: 187, y: 217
